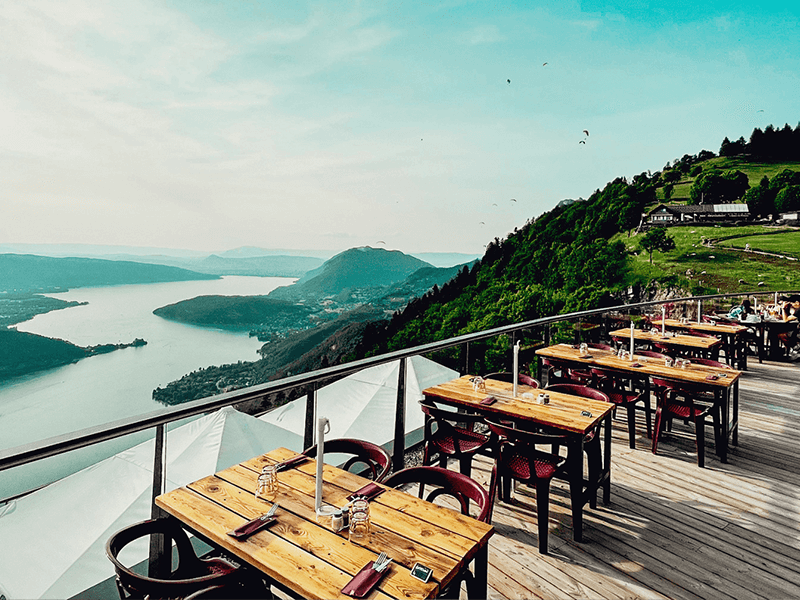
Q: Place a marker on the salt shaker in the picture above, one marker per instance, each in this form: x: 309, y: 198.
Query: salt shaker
x: 337, y: 521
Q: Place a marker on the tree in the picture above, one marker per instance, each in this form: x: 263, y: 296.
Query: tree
x: 761, y: 199
x: 713, y: 187
x: 788, y: 199
x: 657, y: 239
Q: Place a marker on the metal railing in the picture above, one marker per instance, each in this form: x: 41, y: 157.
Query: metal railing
x: 39, y: 450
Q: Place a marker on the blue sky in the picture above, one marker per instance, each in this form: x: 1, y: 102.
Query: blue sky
x: 212, y: 125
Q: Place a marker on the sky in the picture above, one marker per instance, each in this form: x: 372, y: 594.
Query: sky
x: 418, y: 126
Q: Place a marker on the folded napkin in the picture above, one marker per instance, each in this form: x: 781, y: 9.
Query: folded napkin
x: 369, y: 491
x: 245, y: 531
x: 712, y: 377
x: 291, y: 462
x: 636, y: 365
x: 587, y: 356
x: 364, y: 581
x: 488, y: 400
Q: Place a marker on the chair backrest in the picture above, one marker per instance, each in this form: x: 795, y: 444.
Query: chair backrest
x: 575, y: 389
x: 509, y: 378
x: 597, y: 346
x: 709, y: 363
x: 180, y: 583
x: 449, y: 417
x: 364, y: 453
x: 447, y: 483
x: 651, y: 354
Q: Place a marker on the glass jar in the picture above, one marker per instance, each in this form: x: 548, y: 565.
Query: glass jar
x: 359, y: 521
x: 267, y: 484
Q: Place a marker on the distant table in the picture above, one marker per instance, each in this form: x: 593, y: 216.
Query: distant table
x: 310, y: 559
x: 733, y: 335
x: 725, y: 388
x: 707, y: 345
x: 564, y: 413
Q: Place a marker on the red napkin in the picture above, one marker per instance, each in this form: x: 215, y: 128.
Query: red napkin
x: 636, y: 365
x: 245, y: 531
x: 711, y: 377
x: 369, y: 491
x: 364, y: 581
x: 291, y: 462
x: 488, y: 400
x: 587, y: 356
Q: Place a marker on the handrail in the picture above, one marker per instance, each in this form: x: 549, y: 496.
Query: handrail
x: 27, y: 453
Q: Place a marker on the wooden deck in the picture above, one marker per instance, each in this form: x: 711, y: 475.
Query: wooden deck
x: 672, y: 530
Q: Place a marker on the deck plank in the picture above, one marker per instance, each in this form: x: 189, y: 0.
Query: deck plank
x: 672, y: 530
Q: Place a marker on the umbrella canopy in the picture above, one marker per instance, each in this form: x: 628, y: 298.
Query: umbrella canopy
x: 54, y: 539
x: 362, y: 405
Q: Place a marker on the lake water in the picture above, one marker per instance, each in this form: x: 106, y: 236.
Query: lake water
x: 107, y: 387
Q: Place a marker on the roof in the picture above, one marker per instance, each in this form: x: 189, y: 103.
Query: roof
x: 679, y: 209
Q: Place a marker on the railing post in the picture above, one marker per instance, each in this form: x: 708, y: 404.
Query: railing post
x: 160, y: 560
x: 311, y: 405
x: 399, y: 450
x: 465, y: 361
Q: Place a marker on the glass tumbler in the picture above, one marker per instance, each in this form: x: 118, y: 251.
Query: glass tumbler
x: 359, y: 521
x: 267, y: 485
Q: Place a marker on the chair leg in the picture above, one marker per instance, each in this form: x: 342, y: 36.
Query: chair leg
x: 656, y: 429
x: 543, y: 512
x: 632, y: 426
x: 647, y: 417
x: 700, y: 435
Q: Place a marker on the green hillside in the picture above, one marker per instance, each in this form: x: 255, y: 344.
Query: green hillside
x: 236, y: 313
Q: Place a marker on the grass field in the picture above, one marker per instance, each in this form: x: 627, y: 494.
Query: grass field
x: 713, y: 269
x: 780, y: 243
x: 754, y: 171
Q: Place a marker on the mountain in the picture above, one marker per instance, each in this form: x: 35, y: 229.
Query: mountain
x: 30, y: 273
x: 362, y: 267
x: 236, y: 313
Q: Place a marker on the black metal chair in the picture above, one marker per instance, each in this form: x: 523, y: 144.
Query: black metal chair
x: 372, y: 459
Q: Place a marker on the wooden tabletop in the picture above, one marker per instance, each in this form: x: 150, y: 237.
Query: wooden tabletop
x: 696, y: 374
x: 563, y: 411
x: 308, y: 557
x: 704, y: 327
x: 689, y: 341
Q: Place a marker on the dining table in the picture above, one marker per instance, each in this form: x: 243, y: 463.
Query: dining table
x: 723, y: 383
x: 732, y: 336
x: 572, y: 415
x: 676, y: 342
x: 302, y: 554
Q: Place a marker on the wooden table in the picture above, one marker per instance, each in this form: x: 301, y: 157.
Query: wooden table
x: 725, y: 388
x: 563, y: 413
x: 682, y: 342
x: 311, y: 560
x: 733, y: 335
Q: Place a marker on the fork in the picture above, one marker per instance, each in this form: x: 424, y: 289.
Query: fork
x: 270, y: 513
x: 378, y: 562
x: 383, y: 566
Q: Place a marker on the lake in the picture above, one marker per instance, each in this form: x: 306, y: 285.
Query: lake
x: 107, y: 387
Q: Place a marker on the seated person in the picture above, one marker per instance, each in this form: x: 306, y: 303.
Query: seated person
x: 743, y: 312
x: 789, y: 312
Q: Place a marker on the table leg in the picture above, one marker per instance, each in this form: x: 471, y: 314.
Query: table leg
x: 735, y: 425
x: 575, y: 471
x: 482, y: 572
x: 722, y: 400
x: 607, y: 461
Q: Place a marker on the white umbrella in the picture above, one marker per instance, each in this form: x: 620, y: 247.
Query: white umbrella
x: 53, y: 540
x: 362, y: 405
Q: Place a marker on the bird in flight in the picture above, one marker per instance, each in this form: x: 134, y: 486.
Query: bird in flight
x: 494, y: 203
x: 582, y: 142
x: 544, y: 64
x: 482, y: 223
x: 760, y: 110
x: 380, y: 242
x: 513, y: 199
x: 586, y: 131
x: 509, y: 81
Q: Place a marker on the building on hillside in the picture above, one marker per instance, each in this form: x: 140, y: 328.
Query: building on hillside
x: 792, y: 217
x: 670, y: 214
